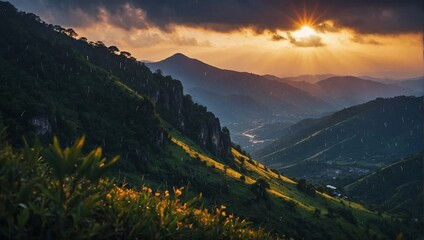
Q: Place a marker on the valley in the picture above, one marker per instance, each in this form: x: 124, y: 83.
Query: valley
x: 96, y: 144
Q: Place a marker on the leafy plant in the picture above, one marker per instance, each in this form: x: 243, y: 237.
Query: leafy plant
x: 56, y: 193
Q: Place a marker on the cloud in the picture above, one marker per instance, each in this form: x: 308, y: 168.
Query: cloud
x: 189, y: 41
x: 362, y: 16
x: 310, y: 41
x: 325, y: 27
x: 144, y: 38
x: 361, y: 40
x: 277, y: 37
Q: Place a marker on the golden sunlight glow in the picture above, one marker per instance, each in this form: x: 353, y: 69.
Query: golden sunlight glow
x: 304, y: 32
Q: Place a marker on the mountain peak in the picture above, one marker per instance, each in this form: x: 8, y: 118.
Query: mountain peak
x: 178, y: 55
x: 179, y: 59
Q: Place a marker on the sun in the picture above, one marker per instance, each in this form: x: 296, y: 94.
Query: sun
x: 304, y: 32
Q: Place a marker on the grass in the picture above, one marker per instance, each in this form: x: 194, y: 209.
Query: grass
x: 283, y: 191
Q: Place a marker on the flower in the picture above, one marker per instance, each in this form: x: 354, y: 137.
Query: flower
x: 177, y: 191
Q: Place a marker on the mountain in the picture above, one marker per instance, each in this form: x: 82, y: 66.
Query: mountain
x: 416, y: 85
x: 301, y: 78
x: 52, y: 84
x: 224, y: 105
x: 397, y: 188
x: 349, y: 143
x: 283, y: 102
x: 358, y: 90
x: 345, y: 91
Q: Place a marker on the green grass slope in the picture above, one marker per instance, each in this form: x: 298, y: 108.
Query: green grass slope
x: 285, y: 209
x: 350, y: 142
x: 396, y: 188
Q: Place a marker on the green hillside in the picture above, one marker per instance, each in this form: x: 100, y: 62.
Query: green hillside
x: 349, y: 143
x: 63, y: 194
x: 53, y: 84
x: 397, y: 188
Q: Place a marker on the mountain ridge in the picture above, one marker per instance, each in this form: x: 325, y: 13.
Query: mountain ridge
x: 363, y: 128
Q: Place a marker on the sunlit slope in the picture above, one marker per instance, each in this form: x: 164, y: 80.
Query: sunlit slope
x: 360, y: 138
x: 286, y: 200
x: 396, y: 188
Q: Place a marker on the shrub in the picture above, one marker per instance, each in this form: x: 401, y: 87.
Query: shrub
x: 259, y: 188
x: 242, y: 178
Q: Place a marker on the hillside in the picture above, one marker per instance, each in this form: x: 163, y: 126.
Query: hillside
x: 70, y: 87
x: 349, y: 143
x: 70, y: 197
x: 397, y: 188
x: 53, y: 84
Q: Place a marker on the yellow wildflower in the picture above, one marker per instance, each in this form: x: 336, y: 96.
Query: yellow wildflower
x: 177, y: 191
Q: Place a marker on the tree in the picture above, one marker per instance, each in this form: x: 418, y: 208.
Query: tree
x: 242, y: 178
x: 259, y: 188
x: 225, y: 131
x: 305, y: 187
x: 159, y: 72
x: 242, y: 161
x: 113, y: 49
x: 84, y: 39
x: 70, y: 32
x: 58, y: 28
x: 100, y: 44
x: 126, y: 54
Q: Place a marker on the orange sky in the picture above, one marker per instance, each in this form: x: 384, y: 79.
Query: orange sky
x: 381, y: 39
x: 387, y: 56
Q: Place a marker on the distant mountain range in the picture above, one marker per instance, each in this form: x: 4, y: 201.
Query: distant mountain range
x: 351, y: 142
x: 344, y: 91
x: 301, y: 78
x: 253, y: 97
x: 245, y: 101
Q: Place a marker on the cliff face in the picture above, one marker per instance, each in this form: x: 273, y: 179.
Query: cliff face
x: 190, y: 118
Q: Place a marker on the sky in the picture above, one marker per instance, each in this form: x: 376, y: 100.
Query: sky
x: 379, y: 38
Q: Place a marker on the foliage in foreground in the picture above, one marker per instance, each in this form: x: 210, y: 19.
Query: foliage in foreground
x: 55, y: 193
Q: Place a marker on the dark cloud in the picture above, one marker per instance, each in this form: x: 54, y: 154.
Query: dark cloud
x: 363, y: 16
x: 311, y: 41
